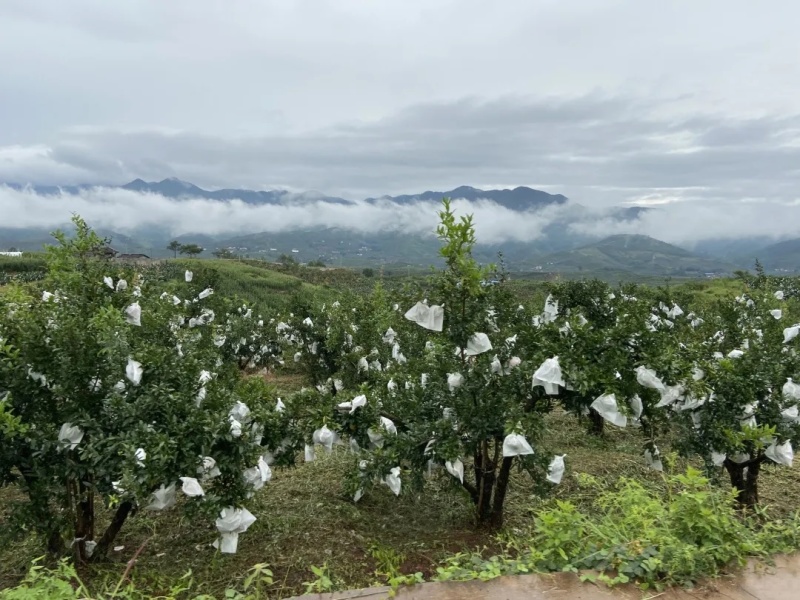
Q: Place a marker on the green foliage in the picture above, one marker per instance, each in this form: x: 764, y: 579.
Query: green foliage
x: 64, y: 583
x: 635, y: 533
x: 264, y: 289
x: 415, y: 417
x: 745, y: 391
x: 61, y: 583
x: 601, y: 335
x: 368, y: 272
x: 223, y: 253
x: 388, y: 568
x: 22, y: 269
x: 116, y: 390
x: 174, y: 246
x: 322, y: 581
x: 27, y: 263
x: 191, y: 249
x: 425, y: 403
x: 258, y: 579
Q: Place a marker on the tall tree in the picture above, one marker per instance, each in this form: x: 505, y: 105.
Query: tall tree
x: 223, y: 253
x: 191, y: 249
x: 175, y: 247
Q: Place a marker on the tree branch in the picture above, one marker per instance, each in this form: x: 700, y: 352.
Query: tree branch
x: 110, y: 534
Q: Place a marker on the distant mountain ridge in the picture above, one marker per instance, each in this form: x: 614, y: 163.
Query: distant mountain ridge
x: 782, y: 256
x: 520, y: 198
x: 639, y: 254
x: 559, y: 248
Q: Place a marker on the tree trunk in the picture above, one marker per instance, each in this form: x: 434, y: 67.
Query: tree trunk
x: 496, y: 519
x: 751, y: 484
x: 84, y: 522
x: 484, y: 483
x: 596, y: 422
x: 110, y: 534
x: 55, y: 545
x: 744, y: 478
x: 736, y: 473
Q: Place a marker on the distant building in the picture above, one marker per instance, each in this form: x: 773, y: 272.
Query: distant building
x: 15, y: 254
x: 132, y: 258
x: 105, y: 252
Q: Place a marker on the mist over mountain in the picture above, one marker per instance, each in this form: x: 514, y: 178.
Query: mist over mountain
x: 535, y: 230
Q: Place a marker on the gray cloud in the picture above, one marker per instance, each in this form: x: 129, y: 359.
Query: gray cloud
x: 684, y: 223
x: 606, y: 101
x: 597, y: 150
x: 127, y: 211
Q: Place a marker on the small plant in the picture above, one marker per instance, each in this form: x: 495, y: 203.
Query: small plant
x: 387, y: 560
x: 636, y: 533
x: 746, y: 414
x: 258, y: 578
x: 41, y: 583
x: 322, y: 582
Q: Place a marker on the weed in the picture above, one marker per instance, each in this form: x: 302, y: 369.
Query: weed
x: 322, y: 581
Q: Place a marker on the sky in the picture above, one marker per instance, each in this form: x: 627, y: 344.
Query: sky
x: 680, y: 103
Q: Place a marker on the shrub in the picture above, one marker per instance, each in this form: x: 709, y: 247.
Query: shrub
x: 114, y: 392
x: 746, y: 411
x: 637, y: 533
x: 449, y: 394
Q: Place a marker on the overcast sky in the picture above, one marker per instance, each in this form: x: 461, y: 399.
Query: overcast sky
x: 606, y: 101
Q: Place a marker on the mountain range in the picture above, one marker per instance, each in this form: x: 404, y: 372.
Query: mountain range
x: 559, y: 248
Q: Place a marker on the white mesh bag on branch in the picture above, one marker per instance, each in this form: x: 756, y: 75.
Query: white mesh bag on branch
x: 515, y: 444
x: 549, y: 376
x: 231, y: 522
x: 429, y: 317
x: 781, y: 454
x: 648, y: 378
x: 478, y: 343
x: 606, y: 406
x: 456, y: 469
x: 556, y: 469
x: 393, y: 480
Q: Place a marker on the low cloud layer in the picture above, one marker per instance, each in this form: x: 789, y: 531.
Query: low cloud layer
x: 126, y: 211
x: 596, y: 150
x: 605, y: 101
x: 684, y: 223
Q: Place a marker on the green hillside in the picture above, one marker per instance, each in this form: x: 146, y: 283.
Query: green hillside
x: 254, y: 284
x: 637, y: 254
x: 783, y: 256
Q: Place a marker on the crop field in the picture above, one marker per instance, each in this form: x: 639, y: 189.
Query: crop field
x: 226, y: 429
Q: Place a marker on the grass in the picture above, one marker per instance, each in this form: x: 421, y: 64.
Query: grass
x: 711, y: 290
x: 305, y: 519
x: 255, y: 284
